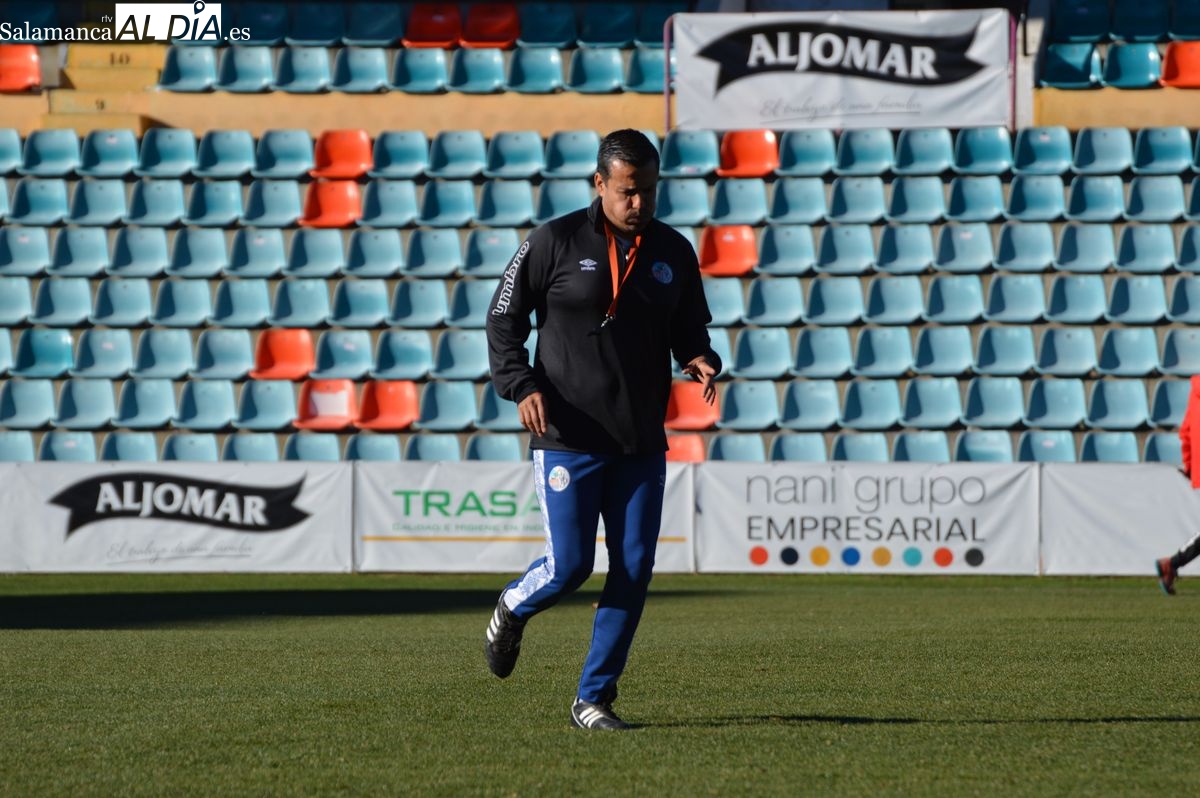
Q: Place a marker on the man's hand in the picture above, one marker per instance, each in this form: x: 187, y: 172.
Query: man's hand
x: 532, y: 412
x: 700, y: 370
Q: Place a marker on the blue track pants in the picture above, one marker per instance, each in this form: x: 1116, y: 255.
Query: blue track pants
x: 575, y: 491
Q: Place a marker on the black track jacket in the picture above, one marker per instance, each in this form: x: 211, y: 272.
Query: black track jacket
x: 605, y: 389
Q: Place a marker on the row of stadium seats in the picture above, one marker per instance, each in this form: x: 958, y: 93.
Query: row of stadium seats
x: 756, y: 353
x: 466, y: 154
x: 452, y: 405
x: 355, y: 70
x: 107, y: 202
x: 925, y: 445
x: 1139, y: 65
x: 1124, y: 20
x: 1037, y: 446
x: 777, y: 250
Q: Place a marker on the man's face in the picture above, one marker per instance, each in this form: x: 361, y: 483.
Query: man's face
x: 627, y: 196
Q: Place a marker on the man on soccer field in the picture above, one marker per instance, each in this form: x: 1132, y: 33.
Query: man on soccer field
x: 1189, y: 439
x: 616, y: 294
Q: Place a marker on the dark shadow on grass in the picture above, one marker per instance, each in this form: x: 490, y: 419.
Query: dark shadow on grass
x: 150, y: 609
x: 855, y: 720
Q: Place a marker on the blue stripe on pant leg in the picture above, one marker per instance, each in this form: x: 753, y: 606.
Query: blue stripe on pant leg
x: 632, y: 510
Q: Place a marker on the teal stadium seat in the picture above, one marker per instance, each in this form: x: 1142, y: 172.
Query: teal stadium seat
x: 549, y: 25
x: 983, y: 151
x: 224, y: 154
x: 266, y: 21
x: 300, y: 303
x: 687, y: 153
x: 865, y: 152
x: 1169, y: 403
x: 494, y: 447
x: 457, y: 154
x: 16, y: 302
x: 1085, y: 248
x: 871, y: 405
x: 420, y: 70
x: 145, y: 404
x: 85, y: 404
x: 1075, y: 299
x: 1185, y: 22
x: 122, y: 302
x: 964, y: 248
x: 6, y: 351
x: 644, y: 72
x: 62, y: 302
x: 164, y: 354
x: 24, y: 251
x: 476, y: 70
x: 1015, y: 299
x: 446, y: 406
x: 834, y: 301
x: 860, y: 447
x: 460, y: 355
x: 198, y: 253
x: 931, y: 403
x: 432, y: 447
x: 245, y: 69
x: 927, y: 446
x: 1042, y: 150
x: 856, y: 200
x: 447, y: 203
x: 1055, y: 404
x: 505, y: 203
x: 1180, y: 352
x: 786, y: 250
x: 266, y: 406
x: 1085, y: 21
x: 975, y: 198
x: 181, y: 303
x: 359, y: 303
x: 215, y: 203
x: 748, y: 405
x: 943, y: 351
x: 1116, y: 404
x: 223, y: 355
x: 103, y: 354
x: 1140, y: 20
x: 797, y: 200
x: 402, y: 355
x: 983, y: 446
x: 196, y: 447
x: 167, y: 152
x: 1163, y: 447
x: 1162, y: 151
x: 572, y: 153
x: 806, y: 153
x: 558, y: 197
x: 1071, y: 66
x: 739, y: 200
x: 810, y: 405
x: 916, y: 199
x: 251, y: 447
x: 1109, y: 447
x: 595, y: 70
x: 374, y: 24
x: 272, y: 203
x: 514, y: 154
x: 43, y: 353
x: 1037, y: 198
x: 496, y: 414
x: 774, y: 302
x: 1128, y: 352
x: 1146, y: 249
x: 283, y: 154
x: 112, y: 153
x: 1102, y: 151
x: 189, y: 69
x: 1155, y: 199
x: 79, y: 252
x: 1004, y: 351
x: 1046, y: 446
x: 418, y: 304
x: 469, y: 301
x: 1025, y: 247
x: 10, y: 150
x: 67, y: 446
x: 1066, y: 352
x: 433, y: 254
x: 894, y: 300
x: 389, y: 203
x: 682, y: 201
x: 534, y: 70
x: 51, y: 152
x: 954, y: 299
x: 241, y: 303
x: 374, y: 448
x: 737, y: 446
x: 315, y: 25
x: 882, y: 352
x: 726, y: 303
x: 846, y: 250
x: 315, y: 253
x: 923, y: 151
x: 139, y: 252
x: 761, y: 353
x: 156, y: 203
x: 1136, y: 299
x: 1135, y: 65
x: 904, y: 249
x: 799, y: 447
x: 38, y: 202
x: 16, y: 446
x: 608, y: 25
x: 26, y: 404
x: 320, y: 447
x: 486, y: 253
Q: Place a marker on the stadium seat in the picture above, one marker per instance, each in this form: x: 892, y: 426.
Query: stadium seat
x: 487, y: 252
x: 785, y: 251
x: 688, y: 447
x: 137, y: 252
x: 205, y: 405
x: 145, y: 404
x: 1137, y: 299
x: 326, y: 405
x: 420, y: 71
x: 894, y: 300
x: 738, y: 200
x: 1181, y: 65
x: 79, y: 252
x: 435, y: 446
x: 834, y: 301
x: 215, y: 203
x: 975, y: 198
x: 399, y: 155
x: 1109, y: 447
x: 224, y: 154
x: 1136, y: 65
x: 943, y: 351
x: 360, y: 70
x: 460, y: 355
x: 846, y: 250
x: 1115, y: 404
x: 595, y: 70
x: 983, y: 446
x: 1139, y: 21
x: 1015, y: 299
x: 923, y: 151
x: 737, y: 446
x: 434, y: 254
x: 547, y: 25
x: 241, y: 303
x: 797, y: 200
x: 687, y: 153
x: 490, y: 25
x: 359, y: 303
x: 644, y: 73
x: 122, y: 302
x: 1071, y: 66
x: 1169, y: 403
x: 686, y: 408
x: 478, y: 71
x: 964, y: 248
x: 103, y: 353
x: 433, y: 25
x: 446, y: 406
x: 871, y: 405
x: 266, y: 22
x: 903, y: 249
x: 331, y: 203
x: 856, y: 200
x: 1155, y: 198
x: 1005, y: 351
x: 983, y: 151
x: 954, y: 299
x: 10, y: 151
x: 860, y: 447
x: 1128, y: 352
x: 469, y: 301
x: 505, y: 203
x: 67, y: 446
x: 283, y: 154
x: 725, y: 302
x: 256, y: 253
x: 682, y: 201
x: 1096, y: 198
x: 251, y: 447
x: 374, y: 25
x: 52, y: 152
x: 342, y: 154
x: 748, y: 153
x: 372, y: 448
x: 610, y: 25
x: 1046, y: 446
x: 806, y: 153
x: 1102, y: 151
x: 283, y: 354
x: 24, y: 251
x: 266, y: 406
x: 166, y: 152
x: 342, y: 354
x: 915, y: 199
x: 536, y: 70
x: 514, y: 154
x: 315, y: 253
x: 1025, y: 247
x: 882, y: 352
x: 26, y: 404
x: 748, y: 405
x: 156, y: 203
x: 272, y: 203
x: 190, y: 447
x: 1076, y: 299
x: 1055, y: 404
x: 38, y: 202
x: 312, y: 25
x: 85, y: 404
x: 300, y: 303
x: 389, y: 203
x: 728, y: 251
x: 1066, y: 352
x: 129, y: 447
x: 16, y: 302
x: 245, y: 69
x: 43, y: 354
x: 1193, y: 209
x: 449, y: 203
x: 222, y: 355
x: 198, y: 253
x: 164, y: 354
x: 865, y: 152
x: 500, y: 415
x: 388, y: 405
x: 798, y: 447
x: 418, y: 304
x: 312, y: 447
x: 189, y: 69
x: 1180, y: 352
x: 20, y: 68
x: 926, y: 446
x: 810, y: 405
x: 1146, y: 249
x: 494, y: 447
x: 931, y: 403
x: 1039, y: 198
x: 1086, y: 21
x: 1163, y: 447
x: 1085, y: 249
x: 1042, y: 151
x: 774, y: 302
x: 761, y: 353
x: 61, y: 302
x: 572, y: 153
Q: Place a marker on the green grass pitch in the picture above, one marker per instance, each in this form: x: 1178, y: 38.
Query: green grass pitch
x: 738, y: 685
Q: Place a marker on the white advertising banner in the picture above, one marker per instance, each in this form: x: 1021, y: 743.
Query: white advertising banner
x: 1114, y: 519
x: 867, y: 518
x: 482, y: 517
x: 891, y: 69
x: 142, y: 517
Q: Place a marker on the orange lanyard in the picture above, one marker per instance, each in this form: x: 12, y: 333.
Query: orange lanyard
x: 618, y: 279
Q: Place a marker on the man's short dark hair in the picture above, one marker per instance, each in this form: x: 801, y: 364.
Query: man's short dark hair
x: 628, y: 145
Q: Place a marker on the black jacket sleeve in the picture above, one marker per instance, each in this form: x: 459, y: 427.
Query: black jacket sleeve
x: 689, y: 333
x: 521, y: 290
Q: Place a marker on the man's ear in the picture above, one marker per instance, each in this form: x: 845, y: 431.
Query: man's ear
x: 597, y: 181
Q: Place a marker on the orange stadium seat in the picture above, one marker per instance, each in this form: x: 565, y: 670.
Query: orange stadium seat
x: 20, y: 67
x: 283, y: 354
x: 433, y: 25
x: 388, y: 405
x: 332, y: 203
x: 748, y: 153
x: 728, y: 250
x: 1181, y: 65
x: 327, y: 405
x: 686, y: 408
x: 491, y: 25
x: 688, y: 448
x: 342, y: 154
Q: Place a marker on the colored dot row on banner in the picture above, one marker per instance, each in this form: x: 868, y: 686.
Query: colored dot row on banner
x: 881, y: 556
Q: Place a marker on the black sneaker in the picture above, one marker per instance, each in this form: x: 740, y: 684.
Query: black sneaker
x: 596, y: 716
x: 503, y: 642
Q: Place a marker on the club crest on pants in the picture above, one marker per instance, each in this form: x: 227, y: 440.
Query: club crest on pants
x: 558, y: 479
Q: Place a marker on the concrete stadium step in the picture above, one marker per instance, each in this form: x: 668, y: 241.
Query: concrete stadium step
x: 108, y: 78
x: 85, y: 123
x: 117, y: 55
